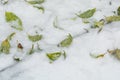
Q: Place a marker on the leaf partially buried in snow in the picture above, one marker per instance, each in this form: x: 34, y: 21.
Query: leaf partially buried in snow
x: 14, y: 21
x: 11, y: 35
x: 112, y: 19
x: 85, y: 21
x: 5, y: 46
x: 118, y: 11
x: 35, y: 1
x: 35, y: 38
x: 4, y: 2
x: 99, y: 24
x: 97, y: 55
x: 31, y: 51
x: 115, y: 52
x: 64, y: 54
x: 41, y: 8
x: 54, y: 56
x: 17, y: 58
x: 88, y: 13
x: 118, y: 53
x: 66, y: 42
x: 55, y: 24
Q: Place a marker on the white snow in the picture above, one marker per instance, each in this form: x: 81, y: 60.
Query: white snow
x: 79, y: 65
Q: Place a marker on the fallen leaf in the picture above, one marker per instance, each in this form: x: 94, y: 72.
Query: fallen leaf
x: 5, y: 46
x: 97, y: 55
x: 14, y: 21
x: 35, y: 1
x: 110, y: 19
x: 34, y: 38
x: 66, y: 42
x: 54, y: 56
x: 10, y: 36
x: 87, y: 14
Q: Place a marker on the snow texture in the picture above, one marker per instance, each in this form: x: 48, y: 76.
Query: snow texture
x: 79, y: 65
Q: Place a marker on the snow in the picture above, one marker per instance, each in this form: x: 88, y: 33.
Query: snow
x: 79, y: 65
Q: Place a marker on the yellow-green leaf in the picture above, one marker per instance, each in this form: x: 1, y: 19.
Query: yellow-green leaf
x: 34, y: 38
x: 14, y: 21
x: 99, y: 24
x: 66, y: 42
x: 112, y: 19
x: 54, y: 56
x: 88, y: 13
x: 5, y: 46
x: 35, y: 1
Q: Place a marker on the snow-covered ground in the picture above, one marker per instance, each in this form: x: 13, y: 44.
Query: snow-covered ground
x: 78, y: 65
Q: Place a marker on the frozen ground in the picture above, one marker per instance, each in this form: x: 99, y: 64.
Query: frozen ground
x: 79, y: 65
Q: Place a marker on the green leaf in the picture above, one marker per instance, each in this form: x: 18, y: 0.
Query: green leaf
x: 54, y: 56
x: 112, y: 19
x: 34, y: 38
x: 88, y: 13
x: 10, y: 36
x: 35, y: 1
x: 66, y: 42
x: 5, y: 46
x: 13, y: 20
x: 118, y: 11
